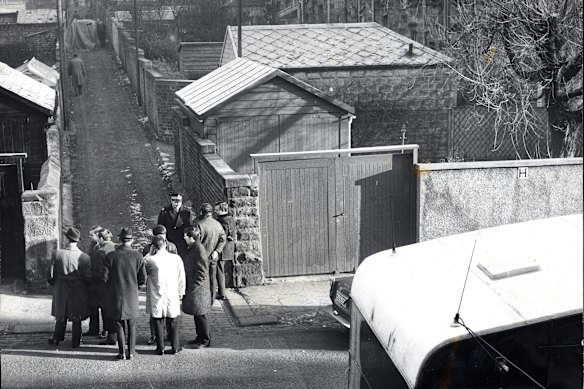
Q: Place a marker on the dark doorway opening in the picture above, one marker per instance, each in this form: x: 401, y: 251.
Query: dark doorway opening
x: 11, y: 224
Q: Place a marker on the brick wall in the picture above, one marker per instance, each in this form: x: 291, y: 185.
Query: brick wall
x: 19, y: 42
x: 42, y: 217
x: 207, y: 178
x: 386, y: 98
x: 165, y: 100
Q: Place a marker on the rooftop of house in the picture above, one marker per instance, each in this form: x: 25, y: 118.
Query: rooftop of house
x: 36, y: 16
x: 24, y: 87
x: 297, y: 46
x: 240, y: 75
x: 40, y: 72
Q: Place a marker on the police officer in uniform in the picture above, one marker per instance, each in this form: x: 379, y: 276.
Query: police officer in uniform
x: 176, y: 218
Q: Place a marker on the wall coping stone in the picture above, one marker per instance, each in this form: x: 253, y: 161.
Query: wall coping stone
x: 498, y: 164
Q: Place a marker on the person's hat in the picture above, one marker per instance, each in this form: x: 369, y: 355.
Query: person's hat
x: 73, y: 234
x: 126, y: 233
x: 206, y: 207
x: 221, y: 208
x: 159, y: 230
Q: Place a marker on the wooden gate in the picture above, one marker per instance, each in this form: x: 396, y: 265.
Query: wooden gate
x: 325, y: 215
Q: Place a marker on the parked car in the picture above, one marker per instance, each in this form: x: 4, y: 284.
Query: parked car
x: 340, y: 294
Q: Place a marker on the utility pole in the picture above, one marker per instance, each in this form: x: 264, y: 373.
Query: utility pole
x: 62, y: 71
x: 239, y: 21
x: 328, y: 11
x: 138, y: 89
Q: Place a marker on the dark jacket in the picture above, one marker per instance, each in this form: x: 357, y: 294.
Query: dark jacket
x: 228, y: 223
x: 175, y: 224
x: 123, y: 273
x: 197, y: 299
x: 98, y: 291
x: 69, y: 272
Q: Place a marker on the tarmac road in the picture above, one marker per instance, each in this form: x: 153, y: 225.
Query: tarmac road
x: 258, y: 358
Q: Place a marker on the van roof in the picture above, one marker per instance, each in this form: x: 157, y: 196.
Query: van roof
x: 520, y: 274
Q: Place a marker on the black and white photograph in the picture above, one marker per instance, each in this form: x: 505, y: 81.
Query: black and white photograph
x: 291, y: 194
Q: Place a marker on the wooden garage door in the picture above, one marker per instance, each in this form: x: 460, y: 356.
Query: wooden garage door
x: 326, y: 215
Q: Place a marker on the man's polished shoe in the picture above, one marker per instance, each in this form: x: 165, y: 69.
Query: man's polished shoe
x: 194, y: 341
x: 90, y: 333
x: 152, y: 340
x: 53, y: 342
x: 103, y: 334
x: 120, y: 356
x: 202, y: 345
x: 158, y: 351
x: 173, y: 351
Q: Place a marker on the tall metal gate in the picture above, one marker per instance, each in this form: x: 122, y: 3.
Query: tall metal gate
x: 327, y: 213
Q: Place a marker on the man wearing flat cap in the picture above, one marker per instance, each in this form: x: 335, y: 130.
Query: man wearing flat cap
x: 69, y: 272
x: 175, y: 218
x: 124, y: 272
x: 213, y: 238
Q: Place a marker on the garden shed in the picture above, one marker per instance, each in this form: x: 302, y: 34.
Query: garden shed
x: 26, y: 109
x: 245, y: 107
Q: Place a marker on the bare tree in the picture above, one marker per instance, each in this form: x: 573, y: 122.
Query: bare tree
x: 512, y: 55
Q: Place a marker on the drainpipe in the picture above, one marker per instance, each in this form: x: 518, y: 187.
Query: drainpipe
x: 62, y: 72
x: 239, y: 21
x: 138, y: 92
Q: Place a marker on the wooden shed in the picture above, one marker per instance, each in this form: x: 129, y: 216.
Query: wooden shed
x: 26, y: 109
x: 245, y: 107
x: 196, y: 59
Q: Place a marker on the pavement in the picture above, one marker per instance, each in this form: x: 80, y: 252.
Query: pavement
x: 292, y: 301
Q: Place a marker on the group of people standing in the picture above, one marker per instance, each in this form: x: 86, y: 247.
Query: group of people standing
x: 183, y: 269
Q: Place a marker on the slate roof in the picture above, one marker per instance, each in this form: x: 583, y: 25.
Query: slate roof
x: 40, y: 72
x: 237, y: 76
x: 295, y: 46
x: 39, y: 95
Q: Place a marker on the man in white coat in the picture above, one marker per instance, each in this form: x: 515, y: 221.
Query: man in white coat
x: 164, y: 291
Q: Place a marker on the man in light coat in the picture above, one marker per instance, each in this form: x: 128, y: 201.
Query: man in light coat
x: 164, y: 292
x: 123, y: 272
x: 69, y: 272
x: 213, y: 239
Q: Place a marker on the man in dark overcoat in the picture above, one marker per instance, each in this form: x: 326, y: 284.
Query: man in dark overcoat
x: 213, y: 239
x: 98, y: 259
x: 228, y: 254
x: 176, y: 218
x: 78, y: 73
x: 197, y: 299
x: 69, y: 272
x: 124, y: 273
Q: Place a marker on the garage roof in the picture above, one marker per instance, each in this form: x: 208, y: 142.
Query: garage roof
x: 296, y: 46
x: 39, y: 95
x: 238, y: 76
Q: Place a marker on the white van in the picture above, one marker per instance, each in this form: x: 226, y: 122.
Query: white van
x: 494, y: 308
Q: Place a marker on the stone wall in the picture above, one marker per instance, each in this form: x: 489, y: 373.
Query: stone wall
x: 207, y: 178
x: 385, y: 99
x: 42, y: 218
x: 460, y: 197
x: 19, y: 42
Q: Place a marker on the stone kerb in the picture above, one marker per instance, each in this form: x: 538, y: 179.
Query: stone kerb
x: 41, y: 214
x: 241, y: 193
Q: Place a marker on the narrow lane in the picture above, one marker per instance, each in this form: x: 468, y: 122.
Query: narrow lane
x: 116, y: 181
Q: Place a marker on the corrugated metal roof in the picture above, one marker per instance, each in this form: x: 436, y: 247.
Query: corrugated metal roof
x: 40, y: 72
x: 293, y: 46
x: 27, y: 88
x: 235, y: 77
x: 36, y: 16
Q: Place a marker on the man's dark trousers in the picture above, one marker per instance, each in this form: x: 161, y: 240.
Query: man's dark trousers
x: 130, y: 326
x: 202, y: 328
x: 61, y: 327
x: 171, y: 327
x: 217, y: 275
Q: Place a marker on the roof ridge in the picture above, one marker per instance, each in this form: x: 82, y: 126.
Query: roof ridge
x: 306, y: 26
